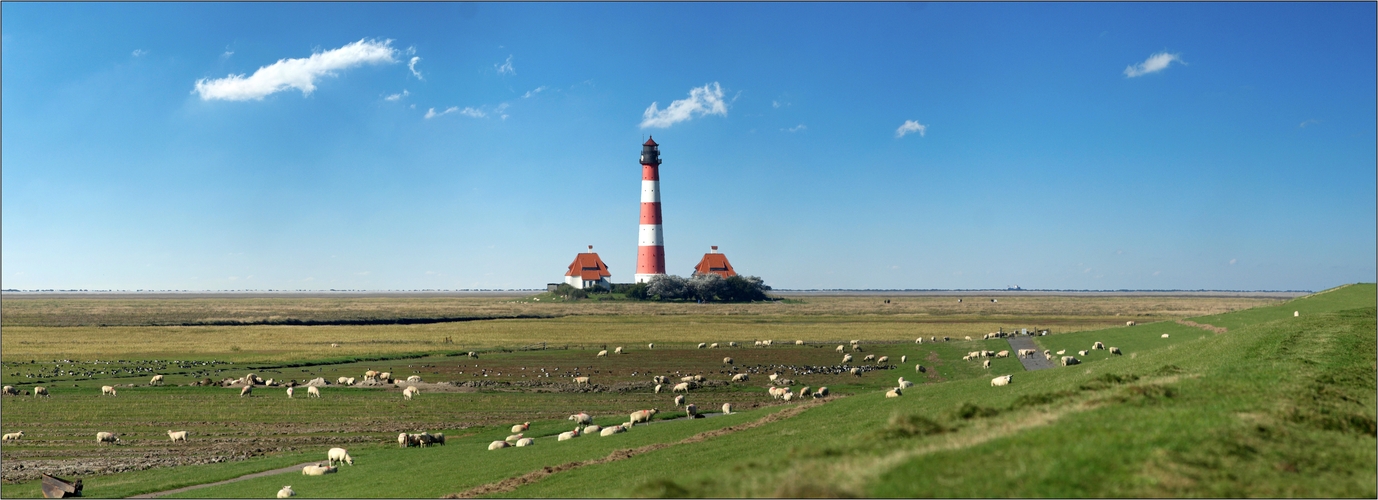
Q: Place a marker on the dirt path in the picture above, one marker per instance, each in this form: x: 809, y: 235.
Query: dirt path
x: 1031, y: 363
x: 1203, y: 326
x: 511, y: 484
x: 284, y: 470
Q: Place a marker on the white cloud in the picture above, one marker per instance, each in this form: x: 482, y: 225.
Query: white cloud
x: 1308, y: 123
x: 530, y: 93
x: 139, y: 52
x: 795, y: 128
x: 1154, y: 63
x: 705, y: 100
x: 412, y: 66
x: 1232, y: 261
x: 476, y: 113
x: 300, y: 73
x: 227, y: 54
x: 506, y: 67
x: 397, y: 97
x: 909, y: 127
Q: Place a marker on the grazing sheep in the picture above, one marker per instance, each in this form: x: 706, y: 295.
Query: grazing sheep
x: 371, y: 375
x: 904, y: 359
x: 679, y: 400
x: 339, y: 455
x: 805, y: 391
x: 246, y: 391
x: 313, y: 392
x: 968, y: 338
x: 894, y: 393
x: 349, y: 381
x: 564, y: 436
x: 286, y: 492
x: 882, y: 360
x: 856, y: 371
x: 905, y: 384
x: 740, y: 377
x: 681, y: 387
x: 402, y: 440
x: 522, y: 427
x: 438, y: 438
x: 498, y: 445
x: 157, y: 380
x: 767, y: 343
x: 289, y: 393
x: 869, y: 357
x: 853, y: 342
x: 1081, y: 353
x: 581, y: 418
x: 602, y: 354
x: 334, y: 344
x: 787, y: 395
x: 839, y: 348
x: 918, y: 340
x: 758, y: 343
x: 798, y: 342
x: 40, y: 391
x: 13, y: 436
x: 658, y: 386
x: 318, y: 470
x: 731, y: 344
x: 1098, y: 345
x: 920, y: 368
x: 692, y: 410
x: 1069, y: 361
x: 727, y: 408
x: 985, y: 364
x: 410, y: 392
x: 9, y: 390
x: 713, y: 345
x: 643, y: 415
x: 524, y: 442
x: 106, y: 437
x: 177, y: 436
x: 727, y: 361
x: 342, y: 381
x: 414, y: 379
x: 1002, y: 380
x: 473, y: 354
x: 1164, y: 335
x: 1130, y: 323
x: 581, y: 380
x: 617, y: 350
x: 846, y: 358
x: 651, y: 346
x: 857, y: 348
x: 822, y: 392
x: 107, y: 390
x: 1115, y: 351
x: 1002, y: 354
x: 703, y: 345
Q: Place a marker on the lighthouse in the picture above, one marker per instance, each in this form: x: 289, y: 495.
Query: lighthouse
x: 650, y: 243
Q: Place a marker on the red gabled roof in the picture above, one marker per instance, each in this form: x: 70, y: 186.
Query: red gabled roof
x: 650, y: 142
x: 715, y: 263
x: 588, y: 267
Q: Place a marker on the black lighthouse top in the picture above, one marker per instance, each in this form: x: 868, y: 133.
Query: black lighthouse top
x: 650, y: 153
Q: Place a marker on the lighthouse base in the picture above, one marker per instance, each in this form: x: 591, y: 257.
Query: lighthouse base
x: 646, y: 278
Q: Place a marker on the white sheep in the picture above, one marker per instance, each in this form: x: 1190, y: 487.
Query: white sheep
x: 13, y: 436
x: 608, y: 431
x: 513, y: 438
x: 1059, y: 353
x: 157, y: 380
x: 106, y: 437
x: 410, y: 392
x: 839, y: 348
x: 822, y: 392
x: 968, y: 338
x: 602, y: 354
x: 798, y: 342
x: 498, y: 445
x: 853, y: 342
x: 904, y: 359
x: 9, y: 390
x: 894, y: 393
x: 1130, y: 323
x: 740, y: 377
x: 1115, y: 351
x: 918, y: 340
x: 581, y: 380
x: 651, y: 345
x: 177, y: 436
x: 882, y: 360
x: 658, y: 386
x: 985, y: 364
x: 286, y: 492
x: 522, y: 427
x: 1098, y: 345
x: 869, y: 357
x: 727, y: 408
x: 385, y: 376
x: 524, y: 442
x: 774, y: 377
x: 342, y: 381
x: 703, y: 345
x: 402, y: 440
x: 246, y: 391
x: 40, y: 391
x: 692, y: 410
x: 681, y: 387
x: 107, y: 390
x: 679, y: 400
x: 1164, y: 335
x: 289, y: 393
x: 643, y: 415
x: 318, y: 470
x: 759, y: 344
x: 581, y: 418
x: 856, y: 372
x: 338, y: 455
x: 713, y: 345
x: 414, y: 379
x: 1296, y: 314
x: 1081, y: 353
x: 920, y: 368
x: 1003, y: 354
x: 617, y: 350
x: 731, y: 344
x: 727, y: 361
x: 564, y: 436
x: 846, y: 358
x: 313, y: 392
x: 787, y: 395
x: 1069, y: 361
x: 905, y: 384
x: 1002, y: 380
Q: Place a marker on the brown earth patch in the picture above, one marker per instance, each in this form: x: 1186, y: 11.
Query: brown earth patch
x: 1203, y: 326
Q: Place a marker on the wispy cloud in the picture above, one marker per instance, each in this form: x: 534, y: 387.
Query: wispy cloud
x: 705, y: 100
x: 227, y: 54
x: 506, y: 67
x: 411, y: 65
x: 533, y: 92
x: 1154, y: 63
x: 139, y: 52
x: 795, y: 128
x: 909, y: 127
x: 397, y: 97
x: 476, y: 113
x: 300, y: 73
x: 1309, y: 123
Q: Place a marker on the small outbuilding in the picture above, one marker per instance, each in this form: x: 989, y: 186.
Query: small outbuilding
x: 588, y: 271
x: 716, y: 263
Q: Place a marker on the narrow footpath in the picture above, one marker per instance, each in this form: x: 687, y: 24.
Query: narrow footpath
x: 284, y: 470
x: 1031, y: 363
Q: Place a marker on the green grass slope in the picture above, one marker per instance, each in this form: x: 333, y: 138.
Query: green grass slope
x: 1278, y: 406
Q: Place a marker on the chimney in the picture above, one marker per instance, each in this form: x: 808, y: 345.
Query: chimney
x: 590, y: 248
x: 715, y: 249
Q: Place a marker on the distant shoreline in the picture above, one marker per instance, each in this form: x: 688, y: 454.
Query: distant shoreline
x: 125, y: 294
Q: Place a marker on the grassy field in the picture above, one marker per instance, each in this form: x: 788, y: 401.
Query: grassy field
x: 1277, y: 406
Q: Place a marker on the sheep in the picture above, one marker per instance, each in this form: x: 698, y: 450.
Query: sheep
x: 157, y: 380
x: 856, y: 371
x: 727, y: 408
x: 524, y: 442
x: 385, y: 376
x: 727, y: 361
x: 1069, y: 361
x: 1003, y: 354
x: 713, y: 345
x: 421, y: 439
x: 371, y: 375
x: 920, y: 368
x: 987, y: 354
x: 1164, y: 335
x: 839, y: 348
x: 1081, y: 353
x: 602, y: 354
x: 1130, y: 323
x: 882, y: 360
x: 651, y: 345
x: 349, y: 381
x: 822, y: 392
x: 731, y: 344
x: 1098, y: 345
x: 617, y: 350
x: 289, y: 393
x: 740, y: 377
x: 581, y: 418
x: 438, y: 438
x: 658, y: 386
x: 410, y: 392
x: 271, y: 383
x: 339, y: 455
x: 1296, y: 314
x: 318, y: 470
x: 758, y: 343
x: 513, y: 438
x: 342, y: 381
x: 334, y: 344
x: 177, y: 436
x: 608, y: 431
x: 918, y: 340
x: 581, y: 380
x: 13, y: 436
x: 869, y: 357
x: 787, y: 395
x: 985, y: 364
x: 522, y: 427
x: 1115, y: 351
x: 1048, y: 354
x: 40, y: 391
x: 692, y: 410
x: 853, y: 342
x: 1002, y: 380
x: 286, y: 492
x: 1059, y: 353
x: 589, y: 429
x: 9, y: 390
x: 703, y: 345
x: 798, y: 342
x: 660, y: 379
x: 106, y: 437
x: 403, y: 440
x: 805, y: 391
x: 846, y: 358
x: 679, y: 400
x: 904, y: 359
x: 498, y: 445
x: 107, y: 390
x: 968, y: 338
x: 767, y: 343
x: 414, y: 379
x: 246, y: 391
x: 564, y: 436
x: 774, y: 377
x: 681, y: 387
x: 857, y: 348
x: 905, y: 384
x: 473, y: 354
x: 314, y: 392
x: 894, y: 393
x: 643, y: 415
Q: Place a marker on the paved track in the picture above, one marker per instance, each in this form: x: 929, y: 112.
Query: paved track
x: 1031, y: 363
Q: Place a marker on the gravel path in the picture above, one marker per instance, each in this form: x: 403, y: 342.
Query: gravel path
x: 284, y: 470
x: 1031, y: 363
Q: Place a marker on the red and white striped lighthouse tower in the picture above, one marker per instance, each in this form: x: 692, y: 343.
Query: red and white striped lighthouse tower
x: 650, y: 244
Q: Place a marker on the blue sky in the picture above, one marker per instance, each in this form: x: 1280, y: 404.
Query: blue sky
x: 1066, y: 145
